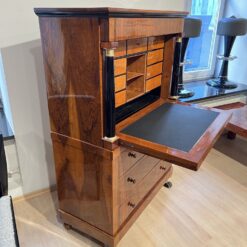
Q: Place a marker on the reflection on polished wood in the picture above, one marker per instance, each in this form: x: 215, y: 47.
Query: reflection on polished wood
x: 104, y: 186
x: 74, y: 89
x: 200, y: 210
x: 238, y: 122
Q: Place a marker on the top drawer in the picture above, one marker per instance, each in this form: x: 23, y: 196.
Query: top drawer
x: 136, y: 46
x: 155, y: 42
x: 127, y: 159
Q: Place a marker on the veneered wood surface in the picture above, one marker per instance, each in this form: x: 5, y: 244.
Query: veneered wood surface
x: 238, y: 121
x: 120, y: 83
x: 141, y: 189
x: 72, y: 66
x: 155, y: 42
x: 128, y: 158
x: 131, y: 28
x: 120, y: 98
x: 154, y: 70
x: 193, y: 158
x: 121, y: 49
x: 153, y: 83
x: 129, y: 183
x: 136, y: 45
x: 155, y: 56
x: 120, y: 66
x: 87, y: 182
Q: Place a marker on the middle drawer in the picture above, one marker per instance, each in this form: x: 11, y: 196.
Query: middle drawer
x: 131, y: 179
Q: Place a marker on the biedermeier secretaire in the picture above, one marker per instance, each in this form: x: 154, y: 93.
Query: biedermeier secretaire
x: 114, y: 129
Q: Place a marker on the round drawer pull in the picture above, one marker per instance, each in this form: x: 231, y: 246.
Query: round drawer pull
x: 131, y: 180
x: 162, y: 168
x: 130, y: 204
x: 133, y: 155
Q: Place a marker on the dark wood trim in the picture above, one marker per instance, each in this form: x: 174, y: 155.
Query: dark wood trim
x: 107, y: 12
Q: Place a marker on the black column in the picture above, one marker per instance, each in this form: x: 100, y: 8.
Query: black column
x: 109, y: 94
x: 176, y: 67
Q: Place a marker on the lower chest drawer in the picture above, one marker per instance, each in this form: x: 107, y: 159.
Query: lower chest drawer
x: 131, y: 197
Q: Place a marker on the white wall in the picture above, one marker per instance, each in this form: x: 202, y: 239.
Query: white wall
x: 23, y: 68
x: 19, y: 24
x: 237, y: 68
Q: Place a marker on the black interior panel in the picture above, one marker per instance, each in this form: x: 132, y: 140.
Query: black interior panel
x: 173, y: 125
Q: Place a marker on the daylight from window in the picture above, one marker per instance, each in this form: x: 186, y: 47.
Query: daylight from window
x: 200, y: 50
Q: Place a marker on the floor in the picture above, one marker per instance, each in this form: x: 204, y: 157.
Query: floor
x: 203, y: 209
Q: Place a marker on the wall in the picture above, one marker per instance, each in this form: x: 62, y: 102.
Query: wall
x: 24, y: 78
x: 237, y: 68
x: 23, y: 24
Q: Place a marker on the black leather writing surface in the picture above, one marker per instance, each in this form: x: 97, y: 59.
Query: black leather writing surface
x: 173, y: 125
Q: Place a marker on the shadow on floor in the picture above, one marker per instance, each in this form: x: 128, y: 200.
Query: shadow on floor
x: 235, y: 149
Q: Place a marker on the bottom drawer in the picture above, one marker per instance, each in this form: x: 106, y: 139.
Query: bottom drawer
x: 142, y: 189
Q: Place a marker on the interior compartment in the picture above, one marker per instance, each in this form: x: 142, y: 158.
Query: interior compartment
x: 135, y: 85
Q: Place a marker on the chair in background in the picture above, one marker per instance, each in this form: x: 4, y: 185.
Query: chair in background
x: 229, y: 28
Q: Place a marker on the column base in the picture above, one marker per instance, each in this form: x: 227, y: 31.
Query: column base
x: 184, y: 93
x: 224, y: 85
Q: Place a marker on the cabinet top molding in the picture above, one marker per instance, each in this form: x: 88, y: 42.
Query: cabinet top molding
x: 108, y: 12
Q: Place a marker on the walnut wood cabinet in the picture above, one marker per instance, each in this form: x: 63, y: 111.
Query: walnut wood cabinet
x: 115, y: 132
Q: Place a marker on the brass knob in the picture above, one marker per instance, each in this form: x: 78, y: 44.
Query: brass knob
x: 162, y: 168
x: 130, y: 204
x: 131, y: 180
x: 133, y: 155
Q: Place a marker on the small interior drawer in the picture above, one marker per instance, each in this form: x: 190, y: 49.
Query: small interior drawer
x: 120, y: 83
x: 120, y: 98
x: 154, y: 70
x: 153, y: 83
x: 142, y: 189
x: 121, y: 49
x: 136, y: 45
x: 155, y: 56
x: 120, y: 66
x: 127, y: 159
x: 155, y: 42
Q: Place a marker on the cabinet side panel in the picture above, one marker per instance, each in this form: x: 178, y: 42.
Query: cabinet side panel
x: 86, y: 184
x: 72, y: 66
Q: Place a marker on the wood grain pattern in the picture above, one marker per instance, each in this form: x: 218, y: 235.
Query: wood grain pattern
x: 155, y: 56
x: 169, y: 49
x: 121, y: 49
x: 153, y: 83
x: 87, y: 186
x: 127, y: 160
x: 142, y: 189
x: 132, y: 28
x: 120, y: 83
x: 154, y: 70
x: 193, y: 158
x: 129, y: 183
x: 120, y: 66
x: 74, y: 88
x: 238, y: 121
x: 120, y: 98
x: 156, y: 42
x: 136, y: 45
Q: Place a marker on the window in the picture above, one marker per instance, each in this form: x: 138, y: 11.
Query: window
x: 201, y: 51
